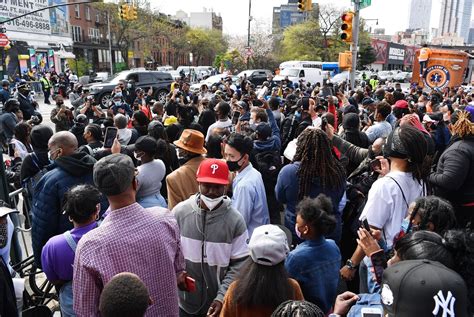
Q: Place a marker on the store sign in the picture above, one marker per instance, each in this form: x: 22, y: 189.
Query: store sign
x: 50, y: 21
x: 396, y: 54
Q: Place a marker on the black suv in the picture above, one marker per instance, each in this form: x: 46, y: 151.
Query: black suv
x: 160, y: 81
x: 256, y: 76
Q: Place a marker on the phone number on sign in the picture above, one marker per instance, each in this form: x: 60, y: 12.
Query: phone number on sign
x: 30, y: 24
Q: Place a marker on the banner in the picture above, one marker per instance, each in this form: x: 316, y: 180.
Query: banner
x: 53, y: 21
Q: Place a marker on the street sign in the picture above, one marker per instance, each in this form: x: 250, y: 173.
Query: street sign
x: 365, y: 3
x: 4, y: 40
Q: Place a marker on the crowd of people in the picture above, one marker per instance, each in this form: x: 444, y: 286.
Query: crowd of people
x: 289, y: 199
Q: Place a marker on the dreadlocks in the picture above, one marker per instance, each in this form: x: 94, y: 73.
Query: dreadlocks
x: 462, y: 126
x: 298, y: 308
x: 314, y: 151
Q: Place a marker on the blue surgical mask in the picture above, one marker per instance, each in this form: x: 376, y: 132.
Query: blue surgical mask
x: 117, y: 102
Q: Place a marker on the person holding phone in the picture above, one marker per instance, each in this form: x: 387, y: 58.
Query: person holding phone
x: 61, y: 116
x: 206, y: 217
x: 223, y: 120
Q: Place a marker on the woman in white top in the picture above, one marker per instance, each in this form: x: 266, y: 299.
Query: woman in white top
x: 21, y: 141
x: 150, y: 173
x: 389, y: 197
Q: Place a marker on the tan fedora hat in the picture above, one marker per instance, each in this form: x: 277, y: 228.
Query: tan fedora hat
x: 191, y: 141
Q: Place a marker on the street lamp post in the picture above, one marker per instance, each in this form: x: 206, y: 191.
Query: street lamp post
x: 248, y: 33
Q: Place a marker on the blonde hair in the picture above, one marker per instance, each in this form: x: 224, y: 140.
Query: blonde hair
x: 463, y: 126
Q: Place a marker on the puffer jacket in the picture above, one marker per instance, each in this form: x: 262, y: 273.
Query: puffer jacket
x: 47, y: 213
x: 454, y: 176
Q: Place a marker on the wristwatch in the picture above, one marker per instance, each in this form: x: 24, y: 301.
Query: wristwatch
x: 351, y: 265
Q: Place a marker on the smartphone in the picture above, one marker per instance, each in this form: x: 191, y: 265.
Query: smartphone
x: 11, y: 149
x: 375, y: 165
x: 190, y: 284
x: 379, y: 263
x: 110, y: 135
x: 371, y: 312
x: 365, y: 224
x: 235, y: 117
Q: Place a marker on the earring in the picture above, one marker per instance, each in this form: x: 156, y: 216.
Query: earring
x: 70, y: 219
x: 97, y: 217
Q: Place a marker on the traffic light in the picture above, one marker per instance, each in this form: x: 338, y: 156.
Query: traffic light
x: 345, y: 60
x: 132, y: 13
x: 305, y: 5
x: 301, y: 5
x: 346, y: 27
x: 124, y: 10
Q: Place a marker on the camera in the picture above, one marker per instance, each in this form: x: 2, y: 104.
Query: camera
x: 35, y: 119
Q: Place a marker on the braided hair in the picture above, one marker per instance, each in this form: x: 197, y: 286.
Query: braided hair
x: 461, y: 124
x: 314, y: 151
x: 298, y: 308
x: 80, y: 202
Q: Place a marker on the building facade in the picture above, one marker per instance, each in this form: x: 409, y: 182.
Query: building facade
x: 455, y: 18
x: 207, y: 19
x: 40, y: 41
x: 89, y: 34
x: 288, y: 14
x: 420, y: 15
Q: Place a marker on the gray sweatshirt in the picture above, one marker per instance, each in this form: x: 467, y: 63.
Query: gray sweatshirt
x: 222, y: 235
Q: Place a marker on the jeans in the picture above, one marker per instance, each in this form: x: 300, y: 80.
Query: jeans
x: 47, y: 93
x: 66, y: 300
x: 423, y: 67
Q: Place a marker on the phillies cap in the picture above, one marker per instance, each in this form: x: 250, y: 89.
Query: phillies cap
x: 423, y: 288
x: 213, y: 171
x: 268, y: 245
x: 402, y: 104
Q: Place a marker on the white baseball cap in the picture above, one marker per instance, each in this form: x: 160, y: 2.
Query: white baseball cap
x: 268, y: 245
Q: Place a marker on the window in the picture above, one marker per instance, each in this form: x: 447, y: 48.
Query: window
x: 97, y: 17
x: 103, y: 56
x: 145, y: 78
x: 76, y: 33
x: 118, y: 57
x: 94, y: 35
x: 88, y: 13
x: 77, y: 11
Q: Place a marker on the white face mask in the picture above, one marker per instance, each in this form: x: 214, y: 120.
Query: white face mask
x: 137, y: 156
x: 211, y: 203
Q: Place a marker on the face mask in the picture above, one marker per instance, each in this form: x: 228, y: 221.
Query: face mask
x: 211, y: 203
x: 117, y: 103
x: 298, y: 233
x: 50, y: 155
x: 3, y: 234
x: 129, y: 86
x: 234, y: 165
x: 137, y: 156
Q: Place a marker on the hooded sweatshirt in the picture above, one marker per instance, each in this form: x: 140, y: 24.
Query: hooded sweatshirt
x: 47, y: 216
x: 222, y: 234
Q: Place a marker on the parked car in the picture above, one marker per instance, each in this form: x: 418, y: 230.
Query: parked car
x: 174, y: 74
x: 401, y: 77
x: 256, y: 76
x: 385, y: 75
x: 100, y: 77
x: 345, y: 76
x: 164, y: 68
x: 160, y: 81
x: 213, y: 80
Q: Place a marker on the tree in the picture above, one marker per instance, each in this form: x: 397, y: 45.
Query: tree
x: 230, y: 60
x: 301, y: 42
x: 366, y: 56
x: 329, y: 25
x: 205, y: 44
x: 80, y: 66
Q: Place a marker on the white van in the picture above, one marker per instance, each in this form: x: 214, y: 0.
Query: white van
x: 303, y: 64
x: 309, y: 75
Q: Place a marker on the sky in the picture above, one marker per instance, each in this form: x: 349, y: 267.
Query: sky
x: 392, y: 14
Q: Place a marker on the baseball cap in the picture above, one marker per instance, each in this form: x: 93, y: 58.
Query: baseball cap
x: 113, y: 174
x: 402, y: 104
x: 170, y: 120
x: 367, y: 101
x: 264, y: 130
x: 268, y: 245
x: 144, y: 143
x: 213, y: 171
x: 423, y: 288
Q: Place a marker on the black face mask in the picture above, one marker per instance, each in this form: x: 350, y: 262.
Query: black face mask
x: 234, y: 165
x: 3, y: 234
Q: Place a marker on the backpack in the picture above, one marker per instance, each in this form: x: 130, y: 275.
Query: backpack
x: 30, y: 183
x: 268, y: 163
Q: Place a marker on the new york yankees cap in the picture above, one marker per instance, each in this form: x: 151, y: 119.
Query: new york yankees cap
x: 423, y: 288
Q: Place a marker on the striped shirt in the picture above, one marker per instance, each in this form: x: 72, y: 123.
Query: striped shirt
x: 145, y: 242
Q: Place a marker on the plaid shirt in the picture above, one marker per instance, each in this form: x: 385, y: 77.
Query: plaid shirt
x: 131, y: 239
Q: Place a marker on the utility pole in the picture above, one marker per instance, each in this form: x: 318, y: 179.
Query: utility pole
x: 248, y: 33
x: 110, y: 44
x: 355, y: 41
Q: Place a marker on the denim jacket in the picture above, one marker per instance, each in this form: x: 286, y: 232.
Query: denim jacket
x: 315, y: 265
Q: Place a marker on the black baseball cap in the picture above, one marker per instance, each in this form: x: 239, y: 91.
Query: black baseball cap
x: 264, y: 130
x: 423, y: 288
x: 145, y: 144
